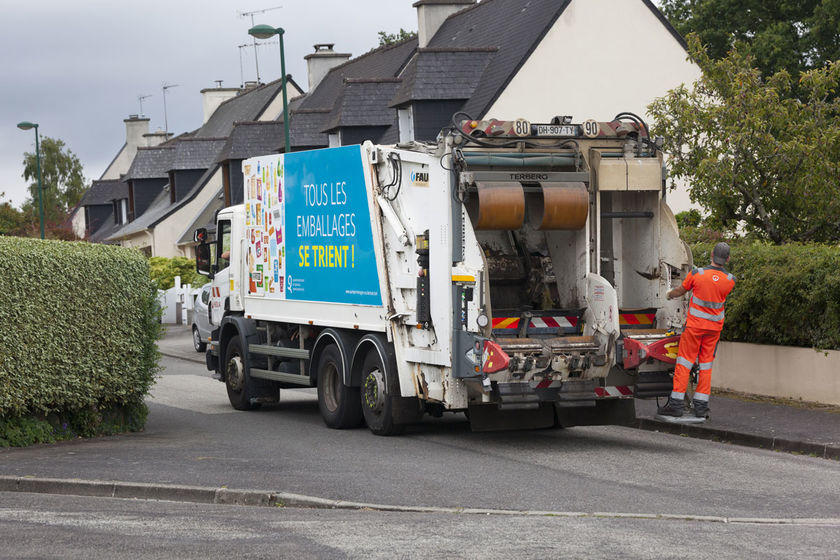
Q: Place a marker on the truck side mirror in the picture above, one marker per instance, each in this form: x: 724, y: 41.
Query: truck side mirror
x: 200, y: 235
x: 202, y: 260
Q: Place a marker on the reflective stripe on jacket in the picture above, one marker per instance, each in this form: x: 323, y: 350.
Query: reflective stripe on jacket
x: 709, y: 288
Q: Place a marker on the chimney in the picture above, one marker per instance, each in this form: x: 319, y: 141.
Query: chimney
x: 432, y: 13
x: 213, y: 97
x: 322, y: 61
x: 153, y: 139
x: 135, y: 128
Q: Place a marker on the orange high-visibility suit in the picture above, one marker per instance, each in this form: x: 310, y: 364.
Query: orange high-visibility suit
x: 709, y: 287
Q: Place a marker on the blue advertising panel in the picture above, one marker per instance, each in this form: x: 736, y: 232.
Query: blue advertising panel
x: 309, y: 229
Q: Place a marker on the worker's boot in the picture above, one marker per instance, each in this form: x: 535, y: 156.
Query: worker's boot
x: 701, y: 408
x: 673, y: 407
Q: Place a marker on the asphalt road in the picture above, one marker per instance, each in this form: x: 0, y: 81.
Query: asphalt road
x: 45, y: 526
x: 193, y: 437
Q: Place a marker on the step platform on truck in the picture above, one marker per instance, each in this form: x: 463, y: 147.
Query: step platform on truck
x: 680, y: 419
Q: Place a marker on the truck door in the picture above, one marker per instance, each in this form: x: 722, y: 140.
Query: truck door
x: 220, y: 292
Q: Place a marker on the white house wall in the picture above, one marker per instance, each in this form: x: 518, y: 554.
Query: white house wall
x: 275, y: 108
x: 600, y: 58
x: 170, y: 230
x: 120, y: 164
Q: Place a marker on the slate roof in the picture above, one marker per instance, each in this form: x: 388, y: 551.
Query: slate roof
x: 384, y: 62
x: 151, y: 163
x: 102, y: 192
x: 105, y: 231
x: 246, y: 106
x: 157, y: 209
x: 307, y: 126
x: 436, y: 74
x: 250, y: 139
x: 445, y: 2
x: 511, y: 27
x: 364, y: 102
x: 196, y: 153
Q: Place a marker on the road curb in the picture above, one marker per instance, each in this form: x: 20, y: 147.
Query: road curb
x: 821, y: 450
x: 262, y: 498
x: 196, y: 360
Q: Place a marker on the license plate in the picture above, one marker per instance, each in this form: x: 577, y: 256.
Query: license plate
x: 556, y: 130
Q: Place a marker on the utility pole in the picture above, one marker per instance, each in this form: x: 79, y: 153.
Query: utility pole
x: 165, y: 118
x: 252, y: 14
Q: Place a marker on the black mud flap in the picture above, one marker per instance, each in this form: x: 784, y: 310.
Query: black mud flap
x: 489, y: 417
x: 212, y: 363
x: 606, y: 412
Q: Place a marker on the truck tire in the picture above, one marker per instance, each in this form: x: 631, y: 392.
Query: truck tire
x: 379, y: 385
x: 236, y: 378
x: 340, y: 405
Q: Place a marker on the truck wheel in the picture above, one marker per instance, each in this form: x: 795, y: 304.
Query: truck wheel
x: 339, y: 404
x: 198, y: 344
x: 378, y: 386
x: 236, y: 380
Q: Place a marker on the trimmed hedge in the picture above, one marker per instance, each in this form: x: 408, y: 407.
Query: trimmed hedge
x: 785, y: 294
x: 78, y: 330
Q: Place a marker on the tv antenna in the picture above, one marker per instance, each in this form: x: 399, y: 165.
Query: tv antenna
x: 245, y: 46
x: 140, y: 98
x: 165, y: 119
x: 254, y: 39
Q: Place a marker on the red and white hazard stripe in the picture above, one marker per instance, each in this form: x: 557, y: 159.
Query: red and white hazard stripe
x: 547, y: 322
x: 547, y: 384
x: 553, y: 322
x: 619, y: 391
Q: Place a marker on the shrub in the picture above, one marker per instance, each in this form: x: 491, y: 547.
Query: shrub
x: 785, y: 294
x: 78, y: 338
x: 163, y: 272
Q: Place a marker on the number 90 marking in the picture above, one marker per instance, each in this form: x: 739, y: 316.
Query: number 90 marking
x: 591, y: 128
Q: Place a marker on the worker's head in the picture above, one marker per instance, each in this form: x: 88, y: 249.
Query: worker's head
x: 720, y: 254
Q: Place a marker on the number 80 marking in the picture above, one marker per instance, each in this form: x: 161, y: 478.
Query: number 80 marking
x: 521, y: 127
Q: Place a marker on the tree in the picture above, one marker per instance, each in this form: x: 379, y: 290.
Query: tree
x: 754, y: 156
x: 12, y: 220
x: 163, y: 272
x: 62, y: 179
x: 793, y: 35
x: 387, y: 39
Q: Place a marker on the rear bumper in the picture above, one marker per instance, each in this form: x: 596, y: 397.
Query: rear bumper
x: 569, y: 393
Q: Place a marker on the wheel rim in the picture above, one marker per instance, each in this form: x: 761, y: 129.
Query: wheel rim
x: 196, y: 339
x: 235, y: 373
x: 332, y: 387
x: 374, y: 391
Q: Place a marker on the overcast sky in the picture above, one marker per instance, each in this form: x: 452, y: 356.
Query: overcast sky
x: 77, y: 67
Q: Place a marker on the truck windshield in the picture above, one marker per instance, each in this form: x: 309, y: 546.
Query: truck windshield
x: 223, y: 260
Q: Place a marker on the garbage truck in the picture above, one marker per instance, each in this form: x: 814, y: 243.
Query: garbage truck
x: 513, y: 271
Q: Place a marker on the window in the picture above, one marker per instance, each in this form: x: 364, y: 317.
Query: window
x: 223, y: 246
x: 406, y: 124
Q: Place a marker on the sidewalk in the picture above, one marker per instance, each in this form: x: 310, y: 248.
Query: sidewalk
x: 768, y: 425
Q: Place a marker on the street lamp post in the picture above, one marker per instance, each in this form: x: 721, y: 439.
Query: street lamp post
x: 266, y: 32
x: 26, y: 125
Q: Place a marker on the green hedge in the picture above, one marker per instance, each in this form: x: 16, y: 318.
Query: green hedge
x: 785, y: 294
x: 78, y: 330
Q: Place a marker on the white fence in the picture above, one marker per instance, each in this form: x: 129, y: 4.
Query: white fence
x: 177, y: 303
